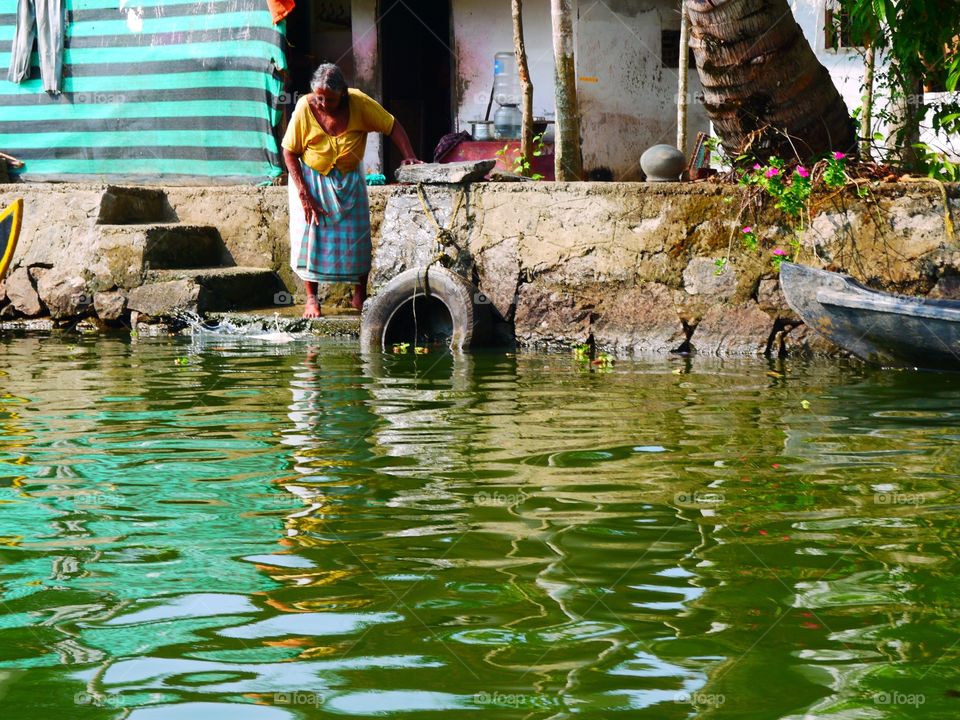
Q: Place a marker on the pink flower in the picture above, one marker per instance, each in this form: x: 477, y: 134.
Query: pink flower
x: 748, y: 229
x: 838, y: 156
x: 772, y: 172
x: 758, y: 166
x: 803, y: 172
x: 781, y: 252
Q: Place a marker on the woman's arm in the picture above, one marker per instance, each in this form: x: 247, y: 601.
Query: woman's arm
x: 399, y: 138
x: 311, y: 208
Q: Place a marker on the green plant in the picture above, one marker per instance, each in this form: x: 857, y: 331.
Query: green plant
x: 581, y: 352
x: 835, y: 173
x: 520, y: 164
x: 936, y: 164
x: 400, y: 348
x: 789, y: 190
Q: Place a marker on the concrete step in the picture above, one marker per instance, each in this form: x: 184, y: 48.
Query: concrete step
x: 134, y: 249
x: 129, y: 205
x: 228, y: 288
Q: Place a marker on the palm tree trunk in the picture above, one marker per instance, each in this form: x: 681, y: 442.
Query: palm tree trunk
x: 764, y: 89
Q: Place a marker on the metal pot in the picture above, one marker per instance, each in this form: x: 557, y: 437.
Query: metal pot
x: 481, y: 129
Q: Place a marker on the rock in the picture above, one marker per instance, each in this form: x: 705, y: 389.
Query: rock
x: 110, y: 306
x: 166, y: 299
x: 21, y: 293
x: 700, y: 278
x: 947, y: 288
x: 548, y: 314
x: 801, y: 341
x: 64, y: 294
x: 506, y: 176
x: 408, y: 237
x: 442, y: 173
x: 771, y: 300
x: 640, y: 320
x: 733, y: 330
x: 498, y: 272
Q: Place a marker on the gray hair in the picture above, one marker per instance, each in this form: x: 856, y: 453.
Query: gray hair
x: 328, y: 77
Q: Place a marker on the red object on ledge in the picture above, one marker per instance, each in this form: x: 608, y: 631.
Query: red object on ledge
x: 488, y: 149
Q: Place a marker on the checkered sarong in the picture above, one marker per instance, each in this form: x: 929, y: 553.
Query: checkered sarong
x: 338, y: 249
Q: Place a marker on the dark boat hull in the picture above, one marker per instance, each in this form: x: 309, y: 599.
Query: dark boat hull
x: 10, y: 220
x: 878, y: 327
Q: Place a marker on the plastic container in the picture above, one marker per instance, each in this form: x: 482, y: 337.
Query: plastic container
x: 507, y: 122
x: 506, y: 79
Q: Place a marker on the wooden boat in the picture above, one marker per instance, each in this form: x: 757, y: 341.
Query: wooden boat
x: 878, y: 327
x: 10, y: 221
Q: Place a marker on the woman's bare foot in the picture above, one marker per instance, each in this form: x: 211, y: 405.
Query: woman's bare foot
x: 311, y: 308
x: 359, y: 295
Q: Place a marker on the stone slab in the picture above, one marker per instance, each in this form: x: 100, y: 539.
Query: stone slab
x: 445, y: 173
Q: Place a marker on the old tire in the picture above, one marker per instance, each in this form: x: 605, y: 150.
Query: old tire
x: 444, y: 303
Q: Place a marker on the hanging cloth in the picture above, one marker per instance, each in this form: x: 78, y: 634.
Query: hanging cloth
x: 42, y: 20
x: 279, y: 9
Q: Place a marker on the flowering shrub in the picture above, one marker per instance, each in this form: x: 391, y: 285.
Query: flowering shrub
x: 835, y: 174
x: 789, y: 191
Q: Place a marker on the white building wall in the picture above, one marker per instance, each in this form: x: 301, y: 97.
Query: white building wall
x: 627, y: 99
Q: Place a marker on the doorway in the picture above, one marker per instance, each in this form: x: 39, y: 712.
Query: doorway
x: 418, y: 63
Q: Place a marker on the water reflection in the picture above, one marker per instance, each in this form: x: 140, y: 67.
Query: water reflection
x: 211, y: 529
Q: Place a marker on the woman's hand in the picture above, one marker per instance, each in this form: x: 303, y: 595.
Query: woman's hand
x: 312, y: 211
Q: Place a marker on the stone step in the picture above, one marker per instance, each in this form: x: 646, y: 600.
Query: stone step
x: 127, y: 252
x: 133, y: 205
x: 227, y: 288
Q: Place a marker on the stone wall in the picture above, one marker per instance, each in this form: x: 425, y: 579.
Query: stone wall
x: 634, y: 265
x: 631, y: 265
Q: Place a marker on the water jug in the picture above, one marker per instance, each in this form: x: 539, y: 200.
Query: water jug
x: 506, y: 122
x: 506, y: 79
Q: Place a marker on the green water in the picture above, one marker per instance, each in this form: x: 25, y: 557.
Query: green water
x: 224, y: 530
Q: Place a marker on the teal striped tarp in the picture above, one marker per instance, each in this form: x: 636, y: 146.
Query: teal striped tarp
x: 154, y: 91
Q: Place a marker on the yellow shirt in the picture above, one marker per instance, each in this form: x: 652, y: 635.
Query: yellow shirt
x: 322, y: 152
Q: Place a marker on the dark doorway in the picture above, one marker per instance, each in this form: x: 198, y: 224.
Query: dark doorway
x: 417, y: 67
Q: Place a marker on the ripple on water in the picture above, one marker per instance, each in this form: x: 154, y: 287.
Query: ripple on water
x: 309, y: 533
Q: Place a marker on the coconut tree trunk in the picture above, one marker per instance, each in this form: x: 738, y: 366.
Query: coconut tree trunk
x: 519, y: 48
x: 568, y: 164
x: 764, y: 89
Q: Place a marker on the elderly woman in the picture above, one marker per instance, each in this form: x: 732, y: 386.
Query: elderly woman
x: 329, y: 215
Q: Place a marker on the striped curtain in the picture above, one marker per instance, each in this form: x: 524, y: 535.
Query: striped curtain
x: 154, y: 91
